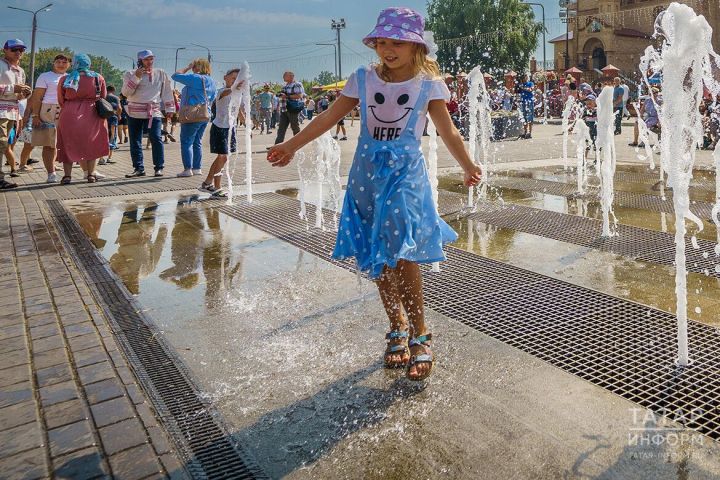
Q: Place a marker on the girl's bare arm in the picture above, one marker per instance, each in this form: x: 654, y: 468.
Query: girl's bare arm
x: 281, y: 154
x: 454, y: 142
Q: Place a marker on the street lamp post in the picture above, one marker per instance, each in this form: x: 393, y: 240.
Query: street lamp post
x: 34, y: 31
x: 206, y: 48
x: 337, y: 79
x: 176, y: 60
x: 337, y: 26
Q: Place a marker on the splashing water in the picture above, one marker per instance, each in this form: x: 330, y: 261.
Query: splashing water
x: 319, y: 166
x: 567, y: 112
x: 647, y: 138
x: 581, y: 137
x: 685, y: 62
x: 240, y: 98
x: 480, y: 128
x: 605, y: 153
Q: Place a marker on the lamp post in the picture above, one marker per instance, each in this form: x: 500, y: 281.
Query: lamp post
x: 176, y: 60
x: 132, y: 60
x: 34, y: 30
x: 337, y: 79
x: 206, y: 48
x: 337, y: 26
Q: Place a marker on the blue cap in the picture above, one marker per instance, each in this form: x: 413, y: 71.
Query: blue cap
x: 14, y: 43
x: 143, y: 54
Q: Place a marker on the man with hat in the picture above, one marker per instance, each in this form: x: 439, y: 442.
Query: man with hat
x: 149, y: 93
x: 44, y: 109
x: 12, y: 89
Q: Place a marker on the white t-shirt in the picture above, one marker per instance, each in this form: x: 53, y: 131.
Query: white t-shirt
x: 225, y: 111
x: 389, y: 105
x: 311, y: 104
x: 49, y: 81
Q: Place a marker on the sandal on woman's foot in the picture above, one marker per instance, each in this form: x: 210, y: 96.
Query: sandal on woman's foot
x: 66, y: 180
x: 91, y: 178
x: 396, y: 346
x: 425, y: 357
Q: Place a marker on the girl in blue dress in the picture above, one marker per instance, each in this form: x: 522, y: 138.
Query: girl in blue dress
x: 389, y: 222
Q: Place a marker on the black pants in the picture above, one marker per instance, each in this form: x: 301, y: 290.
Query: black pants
x: 287, y: 118
x: 618, y: 120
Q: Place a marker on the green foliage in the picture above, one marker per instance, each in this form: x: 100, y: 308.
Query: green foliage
x: 509, y: 49
x: 307, y: 85
x: 324, y: 78
x: 44, y: 61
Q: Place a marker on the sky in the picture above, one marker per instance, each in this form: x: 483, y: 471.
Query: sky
x: 272, y: 35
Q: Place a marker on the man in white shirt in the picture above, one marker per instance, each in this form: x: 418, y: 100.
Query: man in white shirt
x: 12, y: 89
x: 45, y: 110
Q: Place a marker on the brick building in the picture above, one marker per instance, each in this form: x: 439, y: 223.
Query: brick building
x: 618, y: 31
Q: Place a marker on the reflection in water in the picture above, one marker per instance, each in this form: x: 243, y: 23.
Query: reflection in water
x: 219, y: 266
x: 137, y: 254
x: 185, y: 250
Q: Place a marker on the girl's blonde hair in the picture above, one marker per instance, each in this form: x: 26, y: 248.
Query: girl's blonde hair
x: 202, y: 65
x: 421, y: 64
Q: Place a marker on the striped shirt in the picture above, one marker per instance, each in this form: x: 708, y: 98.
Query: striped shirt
x: 10, y: 75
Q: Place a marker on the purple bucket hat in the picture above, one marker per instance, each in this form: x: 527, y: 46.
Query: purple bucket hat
x: 398, y: 23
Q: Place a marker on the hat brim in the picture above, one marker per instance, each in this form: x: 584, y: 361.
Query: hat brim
x: 394, y: 34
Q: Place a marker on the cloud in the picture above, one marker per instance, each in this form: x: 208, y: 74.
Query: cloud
x: 178, y: 10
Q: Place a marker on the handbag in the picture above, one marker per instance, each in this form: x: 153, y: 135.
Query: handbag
x: 103, y: 108
x: 195, y: 113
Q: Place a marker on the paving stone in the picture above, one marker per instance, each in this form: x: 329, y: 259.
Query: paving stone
x: 173, y: 467
x: 123, y: 435
x: 71, y: 309
x: 95, y: 373
x: 40, y: 308
x: 84, y: 341
x: 104, y: 390
x: 31, y: 292
x: 49, y: 343
x: 16, y: 374
x: 14, y: 394
x: 134, y: 464
x: 65, y: 413
x: 50, y: 358
x: 136, y: 394
x: 60, y: 392
x: 112, y: 411
x: 53, y: 375
x: 13, y: 344
x: 28, y: 465
x: 14, y: 358
x: 159, y: 440
x: 90, y: 356
x: 71, y: 437
x: 42, y: 319
x: 12, y: 331
x: 84, y: 464
x: 43, y: 331
x: 146, y: 414
x: 79, y: 329
x: 18, y: 414
x: 73, y: 318
x: 126, y: 375
x: 20, y: 438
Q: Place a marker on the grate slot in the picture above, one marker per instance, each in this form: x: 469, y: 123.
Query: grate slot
x: 624, y: 347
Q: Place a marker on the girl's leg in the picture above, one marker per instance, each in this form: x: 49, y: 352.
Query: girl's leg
x: 217, y: 178
x: 409, y: 286
x: 387, y: 286
x: 10, y: 155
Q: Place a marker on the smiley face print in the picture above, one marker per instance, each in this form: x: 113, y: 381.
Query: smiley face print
x: 389, y: 111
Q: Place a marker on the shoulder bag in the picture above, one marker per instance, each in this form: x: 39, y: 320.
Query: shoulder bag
x: 195, y: 113
x: 103, y: 108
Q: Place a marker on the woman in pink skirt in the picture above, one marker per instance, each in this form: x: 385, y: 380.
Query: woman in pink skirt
x: 82, y: 134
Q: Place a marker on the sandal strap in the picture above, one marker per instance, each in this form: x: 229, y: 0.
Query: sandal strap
x: 396, y: 348
x: 421, y: 340
x: 396, y: 334
x: 422, y: 358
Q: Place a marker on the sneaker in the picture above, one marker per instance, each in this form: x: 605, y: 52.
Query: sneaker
x: 136, y: 173
x: 185, y: 173
x: 32, y: 160
x: 197, y: 171
x: 102, y: 161
x: 335, y: 137
x: 159, y: 172
x: 109, y: 160
x: 52, y: 178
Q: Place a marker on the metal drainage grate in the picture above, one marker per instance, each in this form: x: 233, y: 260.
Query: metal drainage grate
x: 654, y: 203
x: 624, y: 347
x: 196, y: 429
x: 633, y: 242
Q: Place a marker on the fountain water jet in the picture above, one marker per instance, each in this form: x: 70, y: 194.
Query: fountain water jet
x: 605, y: 153
x: 686, y: 62
x: 581, y: 137
x: 319, y: 164
x: 240, y: 97
x: 480, y: 128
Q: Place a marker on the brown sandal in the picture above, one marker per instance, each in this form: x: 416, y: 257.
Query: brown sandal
x: 91, y: 178
x: 400, y: 348
x: 66, y: 180
x: 425, y: 357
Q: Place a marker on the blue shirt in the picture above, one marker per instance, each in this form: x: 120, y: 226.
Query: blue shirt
x: 618, y: 93
x: 526, y: 93
x: 266, y: 100
x: 192, y: 93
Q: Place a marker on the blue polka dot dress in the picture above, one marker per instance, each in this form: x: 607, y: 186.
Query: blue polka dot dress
x: 388, y: 213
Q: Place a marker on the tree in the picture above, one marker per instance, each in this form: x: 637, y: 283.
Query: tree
x: 510, y: 25
x: 44, y: 61
x: 324, y: 78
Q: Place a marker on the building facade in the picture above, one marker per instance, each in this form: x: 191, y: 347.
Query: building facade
x: 617, y: 32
